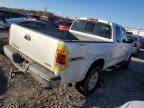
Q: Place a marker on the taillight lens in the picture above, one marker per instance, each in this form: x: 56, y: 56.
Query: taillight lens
x: 62, y: 58
x: 134, y: 45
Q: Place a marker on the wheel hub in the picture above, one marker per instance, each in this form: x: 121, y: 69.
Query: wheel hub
x: 93, y: 81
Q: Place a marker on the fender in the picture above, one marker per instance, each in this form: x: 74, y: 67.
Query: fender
x: 91, y: 62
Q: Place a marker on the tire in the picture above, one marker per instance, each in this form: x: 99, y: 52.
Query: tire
x: 89, y: 84
x: 126, y: 64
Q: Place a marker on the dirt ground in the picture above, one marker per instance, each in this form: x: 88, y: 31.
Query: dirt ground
x: 117, y: 87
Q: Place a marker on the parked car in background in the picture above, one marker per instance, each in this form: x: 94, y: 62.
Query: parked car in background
x: 129, y: 33
x: 55, y: 21
x: 52, y: 20
x: 34, y: 17
x: 55, y: 58
x: 44, y: 19
x: 65, y: 26
x: 142, y: 42
x: 8, y: 17
x: 4, y: 34
x: 136, y: 43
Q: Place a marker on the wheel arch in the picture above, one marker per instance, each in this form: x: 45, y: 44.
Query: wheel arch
x: 100, y: 62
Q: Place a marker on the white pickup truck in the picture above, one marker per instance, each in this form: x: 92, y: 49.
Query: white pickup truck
x: 76, y: 57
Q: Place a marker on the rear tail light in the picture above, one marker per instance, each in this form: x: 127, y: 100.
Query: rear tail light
x: 62, y: 58
x: 134, y: 45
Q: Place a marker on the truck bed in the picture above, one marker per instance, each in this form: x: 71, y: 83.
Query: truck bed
x: 51, y: 31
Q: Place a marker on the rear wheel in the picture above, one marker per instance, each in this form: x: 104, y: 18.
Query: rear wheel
x: 88, y: 85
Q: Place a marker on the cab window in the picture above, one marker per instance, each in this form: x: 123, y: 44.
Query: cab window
x: 98, y: 29
x: 118, y: 34
x: 124, y: 35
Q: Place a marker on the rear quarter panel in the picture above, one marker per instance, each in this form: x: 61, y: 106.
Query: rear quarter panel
x: 82, y: 55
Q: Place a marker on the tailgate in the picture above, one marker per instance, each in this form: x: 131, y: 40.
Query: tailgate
x: 39, y: 47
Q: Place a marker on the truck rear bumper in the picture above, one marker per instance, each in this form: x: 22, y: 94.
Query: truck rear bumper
x: 40, y: 73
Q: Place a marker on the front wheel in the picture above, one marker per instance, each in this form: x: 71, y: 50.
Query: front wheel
x: 88, y: 85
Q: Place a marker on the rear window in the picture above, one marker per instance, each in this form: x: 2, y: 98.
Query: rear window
x: 91, y: 27
x: 78, y: 25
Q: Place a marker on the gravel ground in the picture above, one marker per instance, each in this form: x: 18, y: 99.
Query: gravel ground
x: 116, y: 88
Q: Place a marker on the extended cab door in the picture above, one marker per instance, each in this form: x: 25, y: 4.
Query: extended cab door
x: 125, y: 46
x: 117, y: 50
x: 121, y: 43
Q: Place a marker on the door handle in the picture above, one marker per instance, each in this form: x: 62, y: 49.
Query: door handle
x: 27, y: 37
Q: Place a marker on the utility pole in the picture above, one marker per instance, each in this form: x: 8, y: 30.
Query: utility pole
x: 45, y: 2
